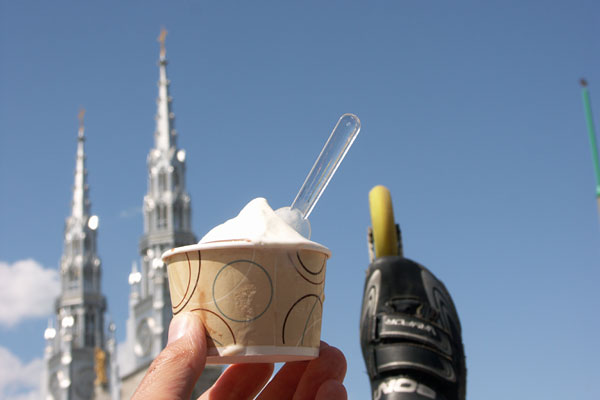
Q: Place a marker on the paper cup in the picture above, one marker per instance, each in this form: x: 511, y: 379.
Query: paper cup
x: 258, y: 303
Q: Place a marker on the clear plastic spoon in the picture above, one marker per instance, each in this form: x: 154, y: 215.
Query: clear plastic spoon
x: 318, y: 178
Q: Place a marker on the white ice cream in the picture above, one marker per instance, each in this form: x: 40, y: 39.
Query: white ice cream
x: 256, y: 225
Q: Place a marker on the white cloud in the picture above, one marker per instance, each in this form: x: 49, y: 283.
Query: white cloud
x: 27, y: 290
x: 19, y: 381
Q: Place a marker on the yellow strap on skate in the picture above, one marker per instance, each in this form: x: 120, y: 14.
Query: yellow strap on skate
x: 385, y: 235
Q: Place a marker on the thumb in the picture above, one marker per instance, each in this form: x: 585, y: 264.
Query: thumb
x: 174, y: 372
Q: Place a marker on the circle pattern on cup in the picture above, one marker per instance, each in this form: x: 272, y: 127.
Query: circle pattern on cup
x: 217, y: 329
x: 192, y: 282
x: 304, y: 315
x: 242, y: 291
x: 310, y: 265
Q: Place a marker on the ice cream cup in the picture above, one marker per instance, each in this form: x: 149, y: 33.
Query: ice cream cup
x: 259, y: 303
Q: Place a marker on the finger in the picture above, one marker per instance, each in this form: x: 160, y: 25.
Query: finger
x: 239, y: 382
x: 331, y: 365
x: 331, y: 390
x: 173, y: 374
x: 283, y: 385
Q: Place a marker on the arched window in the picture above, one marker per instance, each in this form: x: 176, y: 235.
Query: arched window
x: 73, y: 278
x: 90, y: 328
x: 177, y: 216
x: 161, y: 216
x: 76, y: 246
x: 87, y: 243
x: 185, y: 218
x: 162, y: 181
x: 88, y: 278
x: 176, y: 182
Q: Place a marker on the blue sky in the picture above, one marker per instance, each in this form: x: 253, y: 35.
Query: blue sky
x: 471, y: 115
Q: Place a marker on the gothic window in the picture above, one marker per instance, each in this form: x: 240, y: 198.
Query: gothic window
x: 73, y: 278
x: 176, y: 180
x: 87, y: 244
x: 152, y: 217
x: 161, y: 220
x: 76, y: 246
x: 90, y: 328
x: 185, y: 217
x: 162, y: 181
x: 177, y: 217
x: 88, y: 278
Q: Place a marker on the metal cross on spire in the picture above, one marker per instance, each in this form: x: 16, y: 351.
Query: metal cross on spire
x: 81, y: 126
x: 161, y: 40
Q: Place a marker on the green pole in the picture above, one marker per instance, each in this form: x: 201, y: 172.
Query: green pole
x: 592, y: 134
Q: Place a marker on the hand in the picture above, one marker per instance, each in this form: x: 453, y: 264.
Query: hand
x: 173, y: 374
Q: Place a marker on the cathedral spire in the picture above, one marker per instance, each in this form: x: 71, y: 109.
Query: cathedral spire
x: 167, y: 224
x: 164, y: 137
x: 81, y: 202
x: 80, y: 307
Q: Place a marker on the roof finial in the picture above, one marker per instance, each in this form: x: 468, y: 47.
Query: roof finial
x: 80, y: 116
x: 161, y: 40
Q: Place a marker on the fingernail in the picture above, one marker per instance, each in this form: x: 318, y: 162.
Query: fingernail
x: 181, y: 325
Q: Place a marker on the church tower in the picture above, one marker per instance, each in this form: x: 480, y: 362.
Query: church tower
x: 75, y: 355
x: 167, y: 224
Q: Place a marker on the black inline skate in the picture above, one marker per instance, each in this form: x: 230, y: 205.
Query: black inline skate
x: 409, y: 329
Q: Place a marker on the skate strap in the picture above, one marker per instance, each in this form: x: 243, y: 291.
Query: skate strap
x: 408, y: 328
x: 406, y: 356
